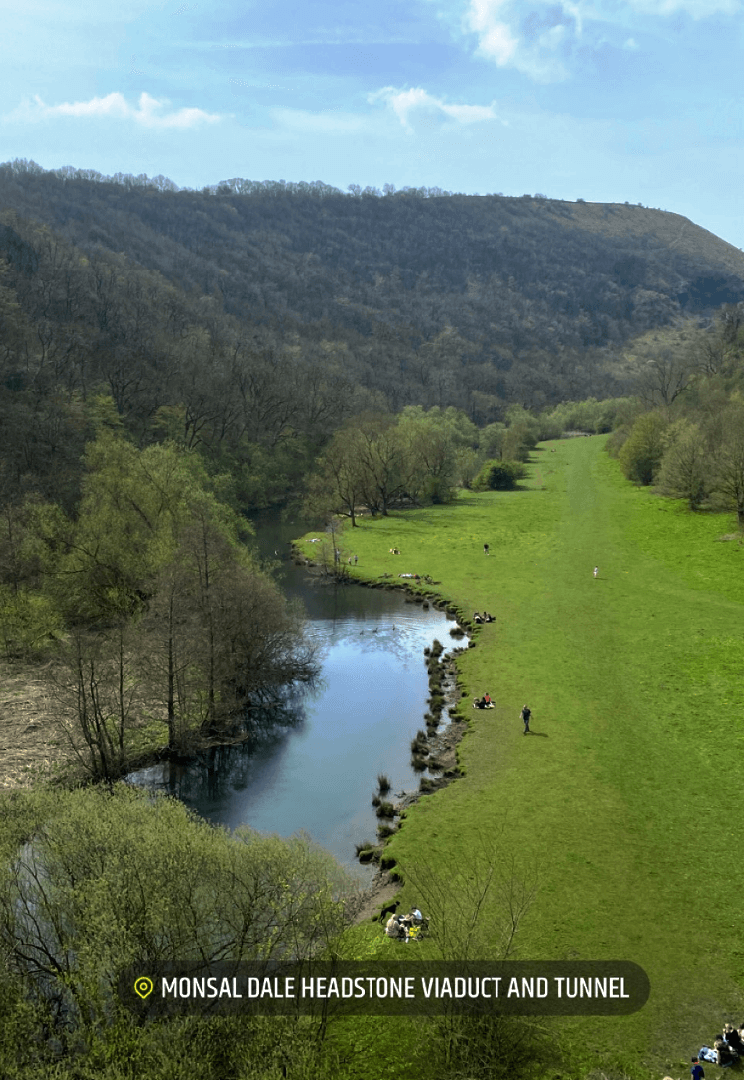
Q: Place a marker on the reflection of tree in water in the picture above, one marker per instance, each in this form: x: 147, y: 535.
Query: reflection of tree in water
x: 221, y: 768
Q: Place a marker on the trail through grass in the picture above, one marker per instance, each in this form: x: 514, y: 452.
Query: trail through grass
x: 629, y: 794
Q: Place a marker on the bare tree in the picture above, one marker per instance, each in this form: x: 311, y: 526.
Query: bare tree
x: 98, y: 699
x: 663, y: 377
x: 475, y: 908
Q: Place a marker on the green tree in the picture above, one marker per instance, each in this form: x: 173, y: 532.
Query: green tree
x: 491, y: 440
x: 521, y: 435
x: 380, y: 453
x: 133, y: 502
x: 430, y: 440
x: 498, y: 476
x: 218, y: 634
x: 641, y: 453
x: 337, y: 485
x: 100, y: 879
x: 685, y: 470
x: 728, y: 457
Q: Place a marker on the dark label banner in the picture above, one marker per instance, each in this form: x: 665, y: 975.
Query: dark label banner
x: 387, y: 988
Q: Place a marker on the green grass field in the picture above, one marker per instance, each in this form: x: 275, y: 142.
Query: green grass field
x: 628, y: 797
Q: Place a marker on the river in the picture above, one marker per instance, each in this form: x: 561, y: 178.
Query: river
x: 319, y: 774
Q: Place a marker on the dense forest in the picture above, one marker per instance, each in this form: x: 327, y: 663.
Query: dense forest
x: 418, y: 296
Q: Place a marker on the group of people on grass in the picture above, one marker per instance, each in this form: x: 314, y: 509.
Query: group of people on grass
x: 727, y: 1048
x: 405, y: 927
x: 485, y: 617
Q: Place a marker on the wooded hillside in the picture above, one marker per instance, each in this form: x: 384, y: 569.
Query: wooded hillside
x: 540, y: 295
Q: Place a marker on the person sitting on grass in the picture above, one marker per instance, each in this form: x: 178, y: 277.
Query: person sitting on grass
x: 395, y: 927
x: 725, y: 1055
x: 487, y: 699
x: 477, y: 617
x: 733, y: 1038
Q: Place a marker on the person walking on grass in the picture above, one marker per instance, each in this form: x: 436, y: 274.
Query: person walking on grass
x: 485, y: 549
x: 596, y: 571
x: 525, y: 715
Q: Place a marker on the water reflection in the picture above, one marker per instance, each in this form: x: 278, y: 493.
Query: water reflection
x: 317, y: 771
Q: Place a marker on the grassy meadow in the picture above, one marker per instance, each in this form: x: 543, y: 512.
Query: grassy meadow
x: 627, y: 798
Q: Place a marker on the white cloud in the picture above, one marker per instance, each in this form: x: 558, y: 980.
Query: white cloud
x: 496, y: 40
x: 538, y: 38
x: 148, y: 112
x: 403, y: 102
x: 510, y: 36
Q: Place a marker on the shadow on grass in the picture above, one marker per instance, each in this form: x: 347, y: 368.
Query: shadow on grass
x: 540, y: 734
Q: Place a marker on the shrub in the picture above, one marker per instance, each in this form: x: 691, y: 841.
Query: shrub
x: 386, y: 810
x: 499, y: 476
x: 28, y: 621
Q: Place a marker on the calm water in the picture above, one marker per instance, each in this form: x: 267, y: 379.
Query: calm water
x: 320, y: 774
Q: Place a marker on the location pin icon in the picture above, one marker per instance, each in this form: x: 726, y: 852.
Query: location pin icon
x: 143, y: 986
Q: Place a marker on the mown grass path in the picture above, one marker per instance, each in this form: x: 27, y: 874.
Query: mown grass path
x: 629, y: 795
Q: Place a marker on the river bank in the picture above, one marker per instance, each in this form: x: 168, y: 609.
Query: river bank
x: 436, y: 747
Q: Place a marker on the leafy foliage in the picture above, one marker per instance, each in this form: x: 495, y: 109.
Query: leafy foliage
x: 96, y: 880
x: 498, y: 476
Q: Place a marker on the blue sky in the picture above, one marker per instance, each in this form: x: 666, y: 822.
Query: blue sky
x: 606, y: 100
